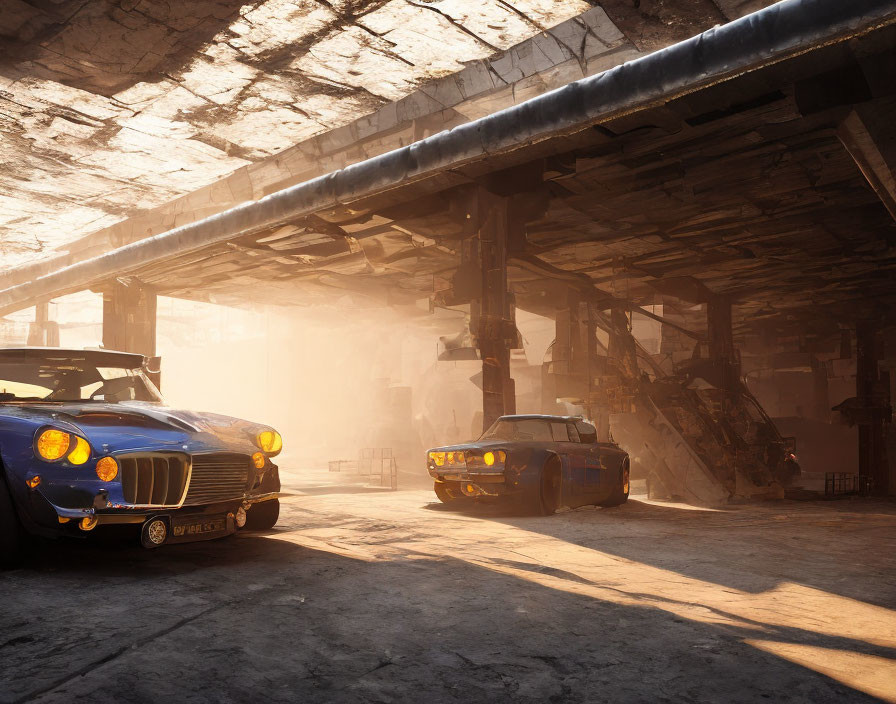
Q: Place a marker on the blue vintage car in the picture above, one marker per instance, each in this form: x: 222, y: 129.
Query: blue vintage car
x: 541, y: 462
x: 86, y: 442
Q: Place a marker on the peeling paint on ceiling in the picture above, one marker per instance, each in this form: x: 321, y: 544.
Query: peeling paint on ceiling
x: 110, y: 107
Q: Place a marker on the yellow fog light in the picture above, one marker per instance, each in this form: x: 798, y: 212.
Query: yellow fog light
x: 107, y: 469
x: 34, y: 481
x: 489, y: 459
x: 270, y: 441
x: 258, y: 459
x: 53, y: 444
x: 81, y: 453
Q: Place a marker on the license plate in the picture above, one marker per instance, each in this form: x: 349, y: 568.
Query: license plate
x: 208, y: 525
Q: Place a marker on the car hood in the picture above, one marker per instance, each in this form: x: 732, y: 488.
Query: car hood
x: 483, y: 445
x: 138, y: 426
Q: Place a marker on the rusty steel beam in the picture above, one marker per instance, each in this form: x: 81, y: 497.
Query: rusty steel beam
x: 496, y: 328
x: 872, y: 392
x: 776, y: 33
x: 869, y: 136
x: 129, y: 319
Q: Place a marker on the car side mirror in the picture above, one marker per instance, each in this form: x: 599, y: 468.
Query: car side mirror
x: 153, y: 365
x: 587, y: 432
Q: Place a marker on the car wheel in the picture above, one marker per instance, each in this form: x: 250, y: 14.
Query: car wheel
x: 263, y: 516
x: 446, y: 494
x: 620, y: 492
x: 11, y: 537
x: 545, y: 499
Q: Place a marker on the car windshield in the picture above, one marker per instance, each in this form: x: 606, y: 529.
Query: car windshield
x: 523, y: 429
x: 72, y: 380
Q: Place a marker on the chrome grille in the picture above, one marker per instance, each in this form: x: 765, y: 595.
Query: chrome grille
x: 218, y: 477
x: 153, y: 480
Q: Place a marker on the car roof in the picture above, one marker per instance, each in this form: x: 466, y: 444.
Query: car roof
x: 97, y: 357
x: 543, y: 416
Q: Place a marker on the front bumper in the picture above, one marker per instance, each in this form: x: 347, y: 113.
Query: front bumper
x: 473, y: 483
x: 45, y: 514
x: 456, y: 475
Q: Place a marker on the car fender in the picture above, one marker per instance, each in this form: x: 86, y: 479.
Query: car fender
x: 35, y: 513
x: 529, y: 474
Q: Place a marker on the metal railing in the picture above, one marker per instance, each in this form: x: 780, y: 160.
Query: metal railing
x: 375, y: 466
x: 846, y: 484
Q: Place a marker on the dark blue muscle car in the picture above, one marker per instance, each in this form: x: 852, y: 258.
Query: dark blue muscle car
x: 541, y: 462
x: 85, y: 441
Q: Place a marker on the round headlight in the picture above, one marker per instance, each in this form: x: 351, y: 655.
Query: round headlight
x: 52, y: 444
x: 107, y: 469
x: 489, y: 459
x: 269, y: 441
x: 81, y: 453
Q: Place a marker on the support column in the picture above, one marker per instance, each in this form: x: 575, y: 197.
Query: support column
x: 821, y: 404
x: 575, y: 364
x: 724, y: 357
x: 43, y: 332
x: 129, y: 319
x: 621, y: 346
x: 493, y: 315
x: 872, y: 393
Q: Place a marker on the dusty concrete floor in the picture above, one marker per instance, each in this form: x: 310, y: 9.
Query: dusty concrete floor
x: 362, y: 596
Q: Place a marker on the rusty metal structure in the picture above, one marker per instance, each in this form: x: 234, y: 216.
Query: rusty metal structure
x: 742, y: 178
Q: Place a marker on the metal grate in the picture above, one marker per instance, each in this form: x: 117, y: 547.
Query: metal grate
x: 153, y: 480
x: 840, y: 483
x: 375, y: 465
x: 218, y: 477
x: 845, y: 484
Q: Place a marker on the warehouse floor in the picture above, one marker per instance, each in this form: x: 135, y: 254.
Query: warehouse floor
x: 362, y: 595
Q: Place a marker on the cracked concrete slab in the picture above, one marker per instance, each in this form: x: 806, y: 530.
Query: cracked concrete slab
x: 364, y: 595
x: 117, y: 116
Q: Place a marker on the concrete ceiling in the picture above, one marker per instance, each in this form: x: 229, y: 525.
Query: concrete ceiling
x: 112, y: 106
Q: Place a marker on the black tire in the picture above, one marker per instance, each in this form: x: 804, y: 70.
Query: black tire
x: 448, y: 494
x: 11, y: 534
x: 545, y: 499
x: 620, y: 491
x: 263, y: 516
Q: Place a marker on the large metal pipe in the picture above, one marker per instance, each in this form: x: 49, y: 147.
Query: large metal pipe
x: 773, y: 34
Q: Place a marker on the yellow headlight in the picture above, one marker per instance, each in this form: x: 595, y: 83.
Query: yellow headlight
x: 438, y: 458
x: 258, y: 460
x: 270, y: 441
x: 489, y: 458
x: 53, y: 444
x: 450, y: 458
x: 502, y: 455
x: 459, y: 456
x: 107, y: 469
x: 81, y: 453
